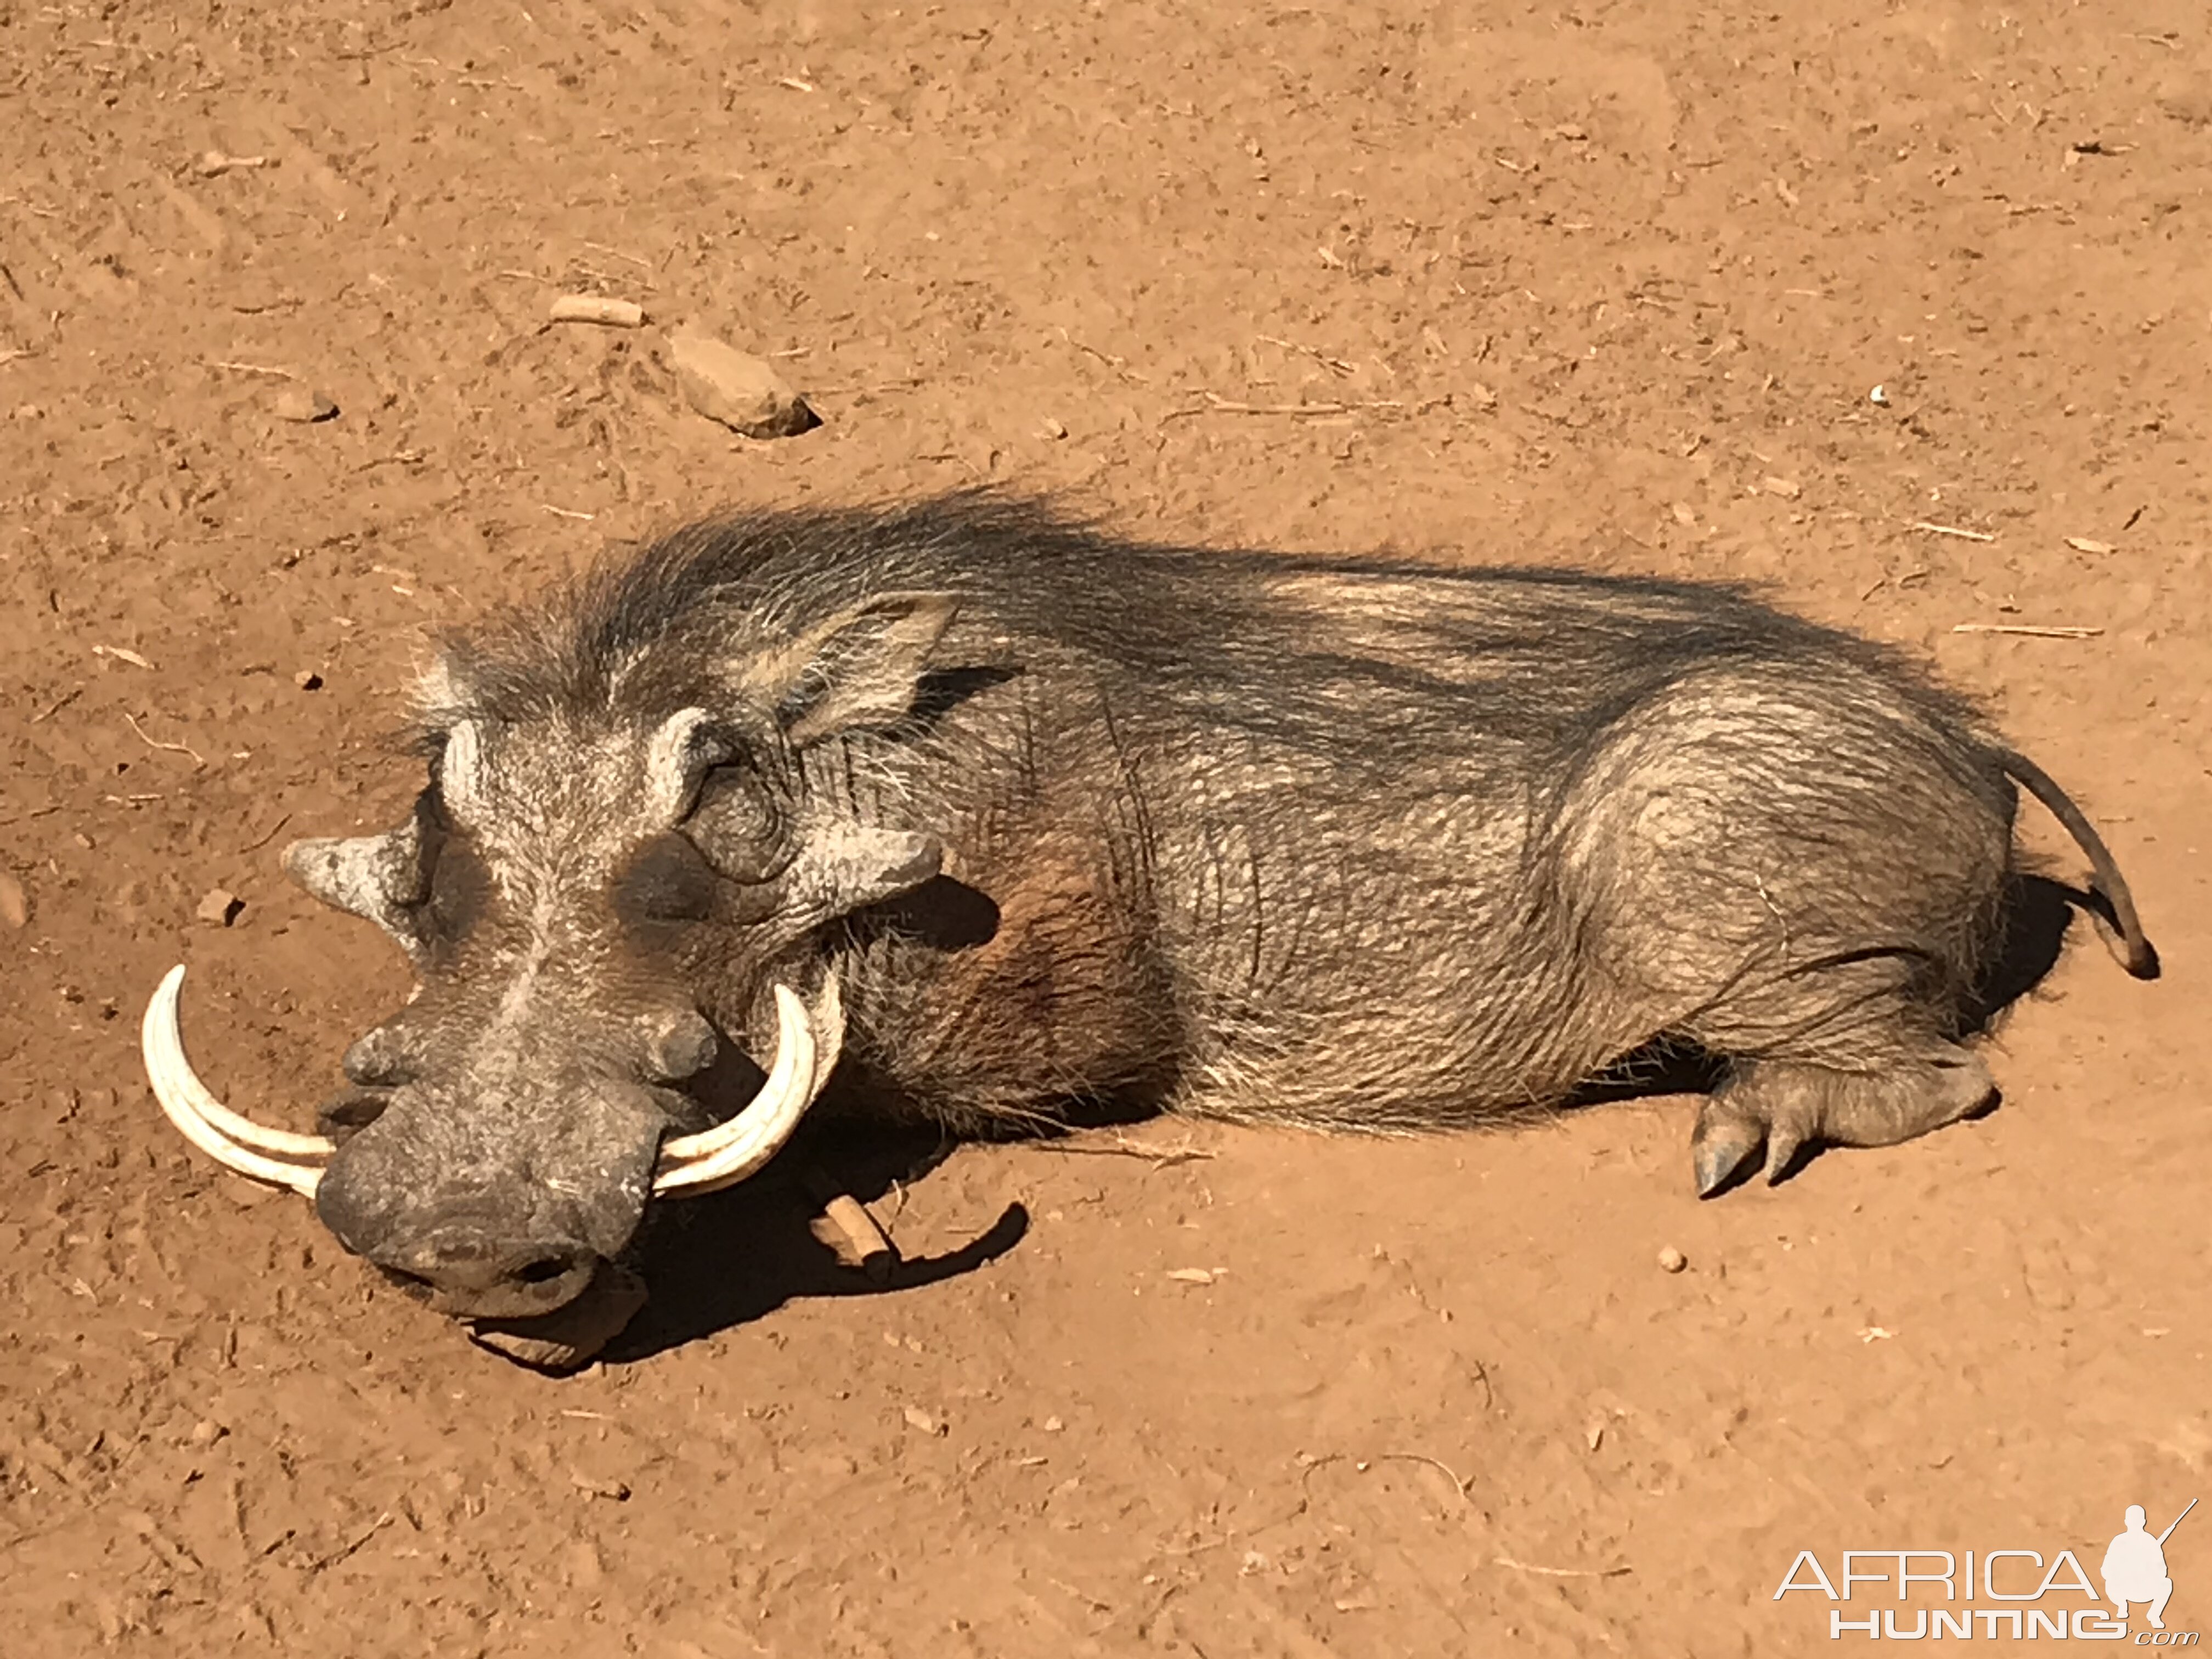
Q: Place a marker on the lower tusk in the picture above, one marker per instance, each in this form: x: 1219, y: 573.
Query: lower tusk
x: 204, y: 1121
x: 691, y: 1165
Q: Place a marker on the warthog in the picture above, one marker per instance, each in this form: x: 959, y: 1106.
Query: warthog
x: 993, y: 815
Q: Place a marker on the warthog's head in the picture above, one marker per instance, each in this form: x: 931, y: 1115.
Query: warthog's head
x: 619, y: 871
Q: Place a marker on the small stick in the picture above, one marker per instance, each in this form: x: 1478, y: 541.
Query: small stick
x: 173, y: 748
x: 565, y: 512
x: 1562, y: 1572
x: 57, y: 704
x: 1336, y: 364
x: 2030, y: 630
x: 592, y: 308
x: 876, y: 1253
x: 123, y: 653
x: 255, y: 369
x: 346, y: 1550
x: 1950, y: 530
x: 1159, y: 1158
x: 256, y: 846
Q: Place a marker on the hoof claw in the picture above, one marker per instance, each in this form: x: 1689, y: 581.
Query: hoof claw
x: 1720, y: 1147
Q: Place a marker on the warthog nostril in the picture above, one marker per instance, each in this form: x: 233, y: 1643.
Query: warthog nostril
x: 463, y: 1270
x: 351, y: 1112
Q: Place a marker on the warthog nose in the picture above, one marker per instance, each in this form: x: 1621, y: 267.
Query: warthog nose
x: 479, y: 1273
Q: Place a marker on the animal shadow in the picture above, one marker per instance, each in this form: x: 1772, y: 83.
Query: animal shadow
x: 728, y: 1259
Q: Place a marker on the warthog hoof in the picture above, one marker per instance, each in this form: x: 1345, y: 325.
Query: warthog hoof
x: 1784, y: 1107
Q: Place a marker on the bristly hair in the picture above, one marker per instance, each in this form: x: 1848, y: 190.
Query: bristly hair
x: 643, y: 631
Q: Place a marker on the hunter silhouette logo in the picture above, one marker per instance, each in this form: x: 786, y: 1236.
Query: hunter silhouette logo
x: 2134, y: 1566
x: 2024, y: 1594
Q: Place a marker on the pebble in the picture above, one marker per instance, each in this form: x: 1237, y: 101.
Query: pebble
x: 743, y: 392
x: 15, y: 904
x: 220, y: 908
x: 302, y: 404
x: 1672, y: 1260
x: 205, y: 1433
x: 308, y: 680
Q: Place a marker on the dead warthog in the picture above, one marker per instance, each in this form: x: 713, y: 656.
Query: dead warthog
x: 992, y: 814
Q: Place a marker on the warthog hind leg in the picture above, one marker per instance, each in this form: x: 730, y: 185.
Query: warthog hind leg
x: 1784, y: 1106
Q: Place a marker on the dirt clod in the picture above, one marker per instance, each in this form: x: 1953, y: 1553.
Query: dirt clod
x: 743, y: 392
x: 303, y: 404
x: 220, y: 908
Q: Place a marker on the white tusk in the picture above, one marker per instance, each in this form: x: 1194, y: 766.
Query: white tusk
x: 195, y: 1113
x: 692, y: 1165
x: 243, y: 1130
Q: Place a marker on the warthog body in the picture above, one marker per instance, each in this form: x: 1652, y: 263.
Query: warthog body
x: 1058, y: 818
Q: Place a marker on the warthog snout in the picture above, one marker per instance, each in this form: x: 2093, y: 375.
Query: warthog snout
x: 437, y: 1196
x: 470, y: 1265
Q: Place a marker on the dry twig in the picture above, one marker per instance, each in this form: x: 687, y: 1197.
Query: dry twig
x: 1562, y: 1572
x: 1950, y: 530
x: 2032, y: 630
x: 152, y: 743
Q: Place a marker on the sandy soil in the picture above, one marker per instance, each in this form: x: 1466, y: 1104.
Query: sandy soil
x: 1607, y: 284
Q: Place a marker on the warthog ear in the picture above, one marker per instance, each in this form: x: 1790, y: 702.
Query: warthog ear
x: 861, y: 668
x: 381, y: 878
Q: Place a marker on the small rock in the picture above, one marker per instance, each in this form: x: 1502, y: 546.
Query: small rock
x: 15, y: 904
x: 1052, y: 428
x: 220, y: 908
x: 1053, y: 1426
x: 2085, y: 544
x: 205, y: 1433
x: 308, y: 680
x: 302, y: 404
x: 918, y: 1419
x: 743, y: 392
x: 1672, y: 1260
x: 1684, y: 514
x: 1788, y: 488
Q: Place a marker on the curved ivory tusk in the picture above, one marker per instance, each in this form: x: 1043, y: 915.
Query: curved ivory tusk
x: 692, y: 1165
x: 230, y: 1124
x: 187, y: 1103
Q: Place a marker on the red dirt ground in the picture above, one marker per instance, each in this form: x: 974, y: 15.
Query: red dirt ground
x: 1607, y: 284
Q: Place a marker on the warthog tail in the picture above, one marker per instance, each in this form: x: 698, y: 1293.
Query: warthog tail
x: 2108, y: 884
